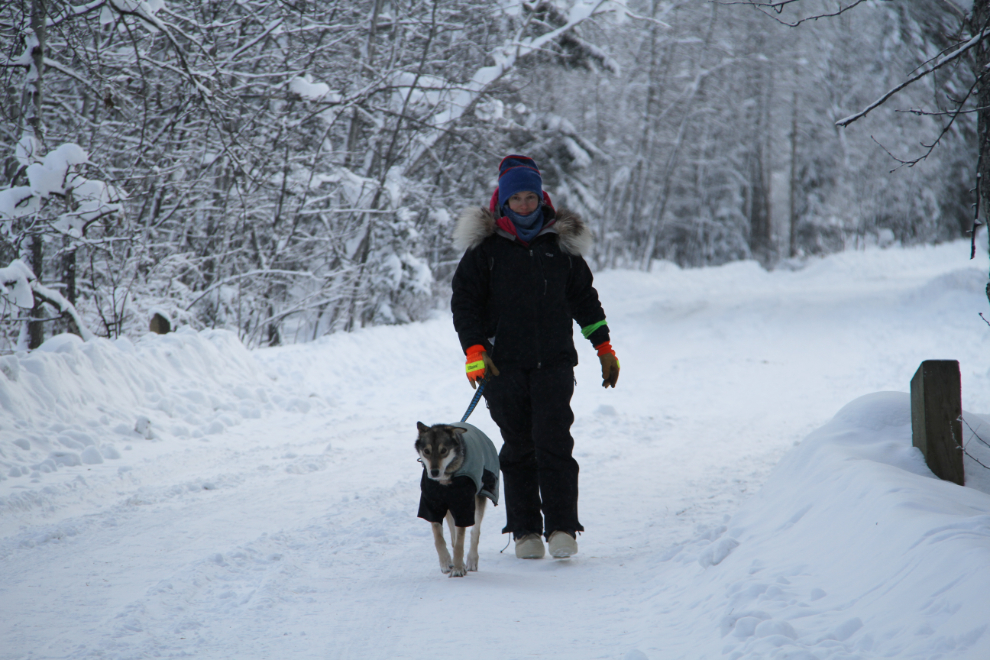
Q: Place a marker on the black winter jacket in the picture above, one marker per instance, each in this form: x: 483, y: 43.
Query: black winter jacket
x: 518, y: 301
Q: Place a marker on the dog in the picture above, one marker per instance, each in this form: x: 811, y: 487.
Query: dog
x: 460, y: 472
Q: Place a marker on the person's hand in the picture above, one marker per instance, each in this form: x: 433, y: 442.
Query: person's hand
x: 610, y: 364
x: 478, y: 364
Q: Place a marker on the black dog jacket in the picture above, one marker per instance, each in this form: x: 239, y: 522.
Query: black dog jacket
x: 478, y: 476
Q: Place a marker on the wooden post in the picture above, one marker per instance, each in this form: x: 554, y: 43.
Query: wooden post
x: 936, y: 418
x: 159, y: 324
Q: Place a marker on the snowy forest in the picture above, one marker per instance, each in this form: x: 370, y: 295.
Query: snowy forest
x: 289, y: 169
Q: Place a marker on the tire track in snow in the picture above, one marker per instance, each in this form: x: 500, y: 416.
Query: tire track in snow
x: 308, y: 553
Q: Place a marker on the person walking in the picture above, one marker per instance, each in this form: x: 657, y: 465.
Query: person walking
x: 517, y: 290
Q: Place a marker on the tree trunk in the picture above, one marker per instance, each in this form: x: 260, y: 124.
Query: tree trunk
x: 31, y: 100
x: 761, y: 230
x: 33, y: 124
x: 792, y: 201
x: 759, y: 205
x: 981, y: 59
x: 36, y: 329
x: 274, y: 336
x: 981, y: 18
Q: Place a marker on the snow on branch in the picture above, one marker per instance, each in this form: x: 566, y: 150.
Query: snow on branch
x: 16, y: 282
x: 20, y: 287
x: 505, y: 57
x: 57, y: 174
x: 250, y: 274
x: 146, y: 13
x: 648, y: 19
x: 71, y: 12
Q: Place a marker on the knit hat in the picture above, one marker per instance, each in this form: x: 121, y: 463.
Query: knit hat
x: 518, y: 174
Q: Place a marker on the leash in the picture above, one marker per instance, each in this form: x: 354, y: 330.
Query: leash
x: 475, y: 400
x: 474, y: 403
x: 506, y: 545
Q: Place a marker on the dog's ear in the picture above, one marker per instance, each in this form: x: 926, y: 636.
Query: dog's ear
x: 423, y: 428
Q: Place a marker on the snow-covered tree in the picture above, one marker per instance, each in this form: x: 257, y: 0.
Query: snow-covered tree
x: 293, y: 169
x: 290, y: 169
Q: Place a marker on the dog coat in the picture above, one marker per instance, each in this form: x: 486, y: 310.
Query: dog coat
x: 478, y: 476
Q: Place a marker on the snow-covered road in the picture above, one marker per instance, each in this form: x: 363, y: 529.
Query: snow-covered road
x: 276, y: 518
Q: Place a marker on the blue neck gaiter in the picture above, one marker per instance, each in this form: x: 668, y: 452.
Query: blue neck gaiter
x: 527, y: 226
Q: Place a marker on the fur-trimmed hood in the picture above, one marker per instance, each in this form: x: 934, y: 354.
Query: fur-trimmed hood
x: 475, y: 224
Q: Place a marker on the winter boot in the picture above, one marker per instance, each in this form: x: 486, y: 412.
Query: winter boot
x: 562, y: 545
x: 530, y: 547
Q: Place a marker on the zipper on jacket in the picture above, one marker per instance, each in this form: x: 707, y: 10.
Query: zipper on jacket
x: 541, y: 304
x: 534, y: 265
x: 543, y: 273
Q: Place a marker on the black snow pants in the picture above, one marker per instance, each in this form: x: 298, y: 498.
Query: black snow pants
x: 533, y: 411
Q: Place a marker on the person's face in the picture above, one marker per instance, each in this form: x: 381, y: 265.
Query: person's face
x: 524, y: 203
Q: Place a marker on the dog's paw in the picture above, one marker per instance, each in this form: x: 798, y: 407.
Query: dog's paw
x: 446, y: 568
x: 472, y: 563
x: 457, y: 571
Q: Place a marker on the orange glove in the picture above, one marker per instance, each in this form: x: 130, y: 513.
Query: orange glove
x: 478, y: 363
x: 610, y: 364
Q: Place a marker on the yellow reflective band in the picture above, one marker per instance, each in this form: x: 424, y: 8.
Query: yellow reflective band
x: 476, y: 366
x: 589, y: 329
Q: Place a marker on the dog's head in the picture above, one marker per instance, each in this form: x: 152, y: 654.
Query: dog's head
x: 441, y: 448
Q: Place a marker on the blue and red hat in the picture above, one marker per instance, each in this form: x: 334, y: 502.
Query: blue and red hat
x: 518, y: 174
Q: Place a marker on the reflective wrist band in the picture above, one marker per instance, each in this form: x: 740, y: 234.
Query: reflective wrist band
x: 475, y: 363
x: 605, y: 348
x: 587, y: 330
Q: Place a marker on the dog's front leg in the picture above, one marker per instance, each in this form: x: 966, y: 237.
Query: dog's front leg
x: 458, y: 542
x: 441, y: 545
x: 479, y: 513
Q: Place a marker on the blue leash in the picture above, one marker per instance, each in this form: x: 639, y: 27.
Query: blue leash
x: 475, y: 400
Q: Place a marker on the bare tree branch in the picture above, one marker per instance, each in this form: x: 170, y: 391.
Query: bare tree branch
x: 774, y: 9
x: 961, y: 50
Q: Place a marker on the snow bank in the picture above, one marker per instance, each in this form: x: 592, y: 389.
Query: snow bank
x: 852, y: 549
x: 73, y: 404
x: 206, y: 533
